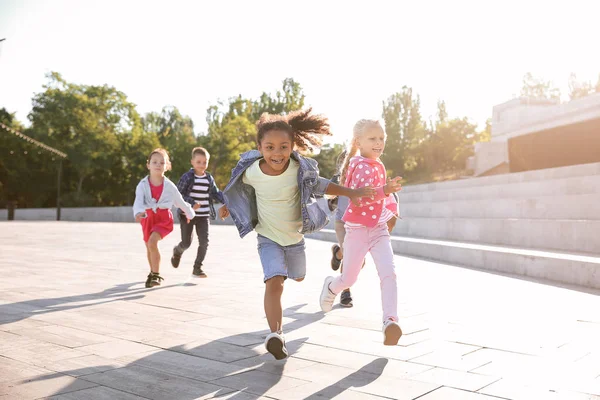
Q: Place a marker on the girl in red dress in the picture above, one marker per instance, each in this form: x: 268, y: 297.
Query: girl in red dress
x: 155, y: 195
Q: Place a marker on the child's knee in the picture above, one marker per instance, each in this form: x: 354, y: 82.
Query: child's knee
x: 153, y: 241
x: 299, y: 279
x: 274, y: 284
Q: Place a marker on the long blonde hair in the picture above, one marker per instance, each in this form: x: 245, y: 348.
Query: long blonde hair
x: 360, y: 128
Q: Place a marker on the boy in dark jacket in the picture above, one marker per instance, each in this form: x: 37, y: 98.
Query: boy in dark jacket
x: 198, y: 188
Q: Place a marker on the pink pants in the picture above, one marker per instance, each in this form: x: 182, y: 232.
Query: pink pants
x: 358, y: 242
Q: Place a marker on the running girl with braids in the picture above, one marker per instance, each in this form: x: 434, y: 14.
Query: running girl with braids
x: 367, y: 225
x: 272, y: 190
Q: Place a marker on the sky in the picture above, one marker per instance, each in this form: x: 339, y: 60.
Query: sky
x: 348, y: 56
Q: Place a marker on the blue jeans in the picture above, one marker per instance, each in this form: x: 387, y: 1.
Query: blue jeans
x: 278, y: 260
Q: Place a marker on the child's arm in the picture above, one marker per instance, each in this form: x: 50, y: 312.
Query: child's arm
x: 215, y: 192
x: 184, y: 206
x: 184, y: 187
x: 354, y: 195
x: 138, y: 204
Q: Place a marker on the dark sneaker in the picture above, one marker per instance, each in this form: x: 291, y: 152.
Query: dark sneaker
x: 154, y: 279
x: 346, y: 299
x: 198, y: 272
x: 175, y: 259
x: 335, y: 262
x: 275, y: 344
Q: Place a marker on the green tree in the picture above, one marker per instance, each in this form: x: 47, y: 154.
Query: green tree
x: 91, y: 124
x: 27, y: 172
x: 175, y: 133
x: 327, y: 159
x: 232, y: 125
x: 538, y: 88
x: 405, y: 131
x: 579, y: 89
x: 230, y: 133
x: 289, y: 98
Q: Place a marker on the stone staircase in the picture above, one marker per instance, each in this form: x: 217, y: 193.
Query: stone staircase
x: 542, y: 224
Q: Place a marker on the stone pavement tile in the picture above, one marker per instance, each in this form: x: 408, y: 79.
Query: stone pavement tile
x: 260, y: 383
x: 169, y: 340
x: 216, y: 350
x: 115, y: 349
x: 42, y: 386
x: 455, y: 379
x: 62, y: 335
x: 153, y: 384
x: 232, y: 334
x: 146, y: 335
x: 11, y: 324
x: 185, y: 316
x: 454, y: 356
x: 266, y: 363
x: 12, y: 370
x: 322, y: 391
x: 333, y: 356
x: 446, y: 393
x: 182, y: 365
x: 101, y: 326
x: 403, y: 353
x: 96, y: 393
x: 80, y: 366
x: 515, y: 390
x: 35, y: 352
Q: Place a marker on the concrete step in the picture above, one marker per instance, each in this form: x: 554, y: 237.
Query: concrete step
x: 566, y: 268
x: 589, y: 184
x: 578, y: 206
x: 528, y: 176
x: 577, y: 236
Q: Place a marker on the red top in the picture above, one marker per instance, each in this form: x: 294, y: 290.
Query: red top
x: 365, y: 172
x: 156, y: 191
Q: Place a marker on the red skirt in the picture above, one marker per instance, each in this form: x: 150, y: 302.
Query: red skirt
x: 160, y: 222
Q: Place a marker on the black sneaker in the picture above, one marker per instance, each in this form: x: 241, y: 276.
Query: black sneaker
x: 153, y: 279
x: 175, y: 259
x: 346, y: 299
x: 198, y: 272
x: 335, y: 262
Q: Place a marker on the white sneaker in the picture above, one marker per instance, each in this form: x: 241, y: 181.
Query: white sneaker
x: 391, y: 333
x: 327, y: 298
x: 275, y: 344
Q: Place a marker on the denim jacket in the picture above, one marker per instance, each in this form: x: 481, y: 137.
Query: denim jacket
x: 241, y: 199
x: 186, y: 183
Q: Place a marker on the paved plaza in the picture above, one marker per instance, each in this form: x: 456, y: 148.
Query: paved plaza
x: 76, y: 322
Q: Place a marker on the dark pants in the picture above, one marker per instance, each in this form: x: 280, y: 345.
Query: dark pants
x: 201, y: 224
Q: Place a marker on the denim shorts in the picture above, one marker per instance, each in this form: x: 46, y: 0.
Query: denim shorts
x: 278, y: 260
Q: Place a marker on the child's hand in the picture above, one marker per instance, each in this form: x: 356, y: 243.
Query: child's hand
x: 140, y: 216
x: 195, y: 207
x: 223, y: 212
x: 393, y: 185
x: 362, y: 192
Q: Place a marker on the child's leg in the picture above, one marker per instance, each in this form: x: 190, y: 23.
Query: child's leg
x: 153, y: 252
x: 272, y: 257
x: 202, y: 226
x: 340, y: 233
x: 273, y: 309
x: 186, y: 235
x: 383, y: 256
x: 355, y: 249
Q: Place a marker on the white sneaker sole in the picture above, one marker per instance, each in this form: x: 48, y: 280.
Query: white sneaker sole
x: 325, y: 293
x: 277, y: 348
x: 392, y: 335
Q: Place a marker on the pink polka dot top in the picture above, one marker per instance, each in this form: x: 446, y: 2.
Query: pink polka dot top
x: 365, y: 172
